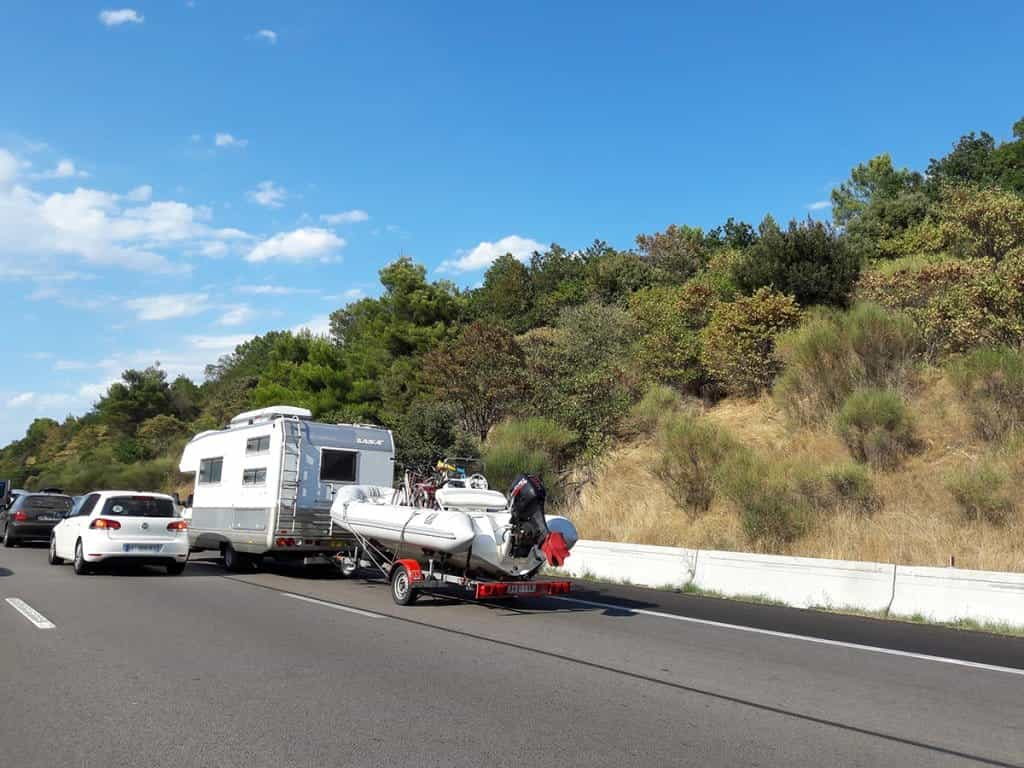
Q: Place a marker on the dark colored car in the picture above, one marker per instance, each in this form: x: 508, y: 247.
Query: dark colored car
x: 31, y: 516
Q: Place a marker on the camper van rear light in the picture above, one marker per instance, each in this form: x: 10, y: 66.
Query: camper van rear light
x: 178, y: 525
x: 286, y: 542
x: 103, y: 523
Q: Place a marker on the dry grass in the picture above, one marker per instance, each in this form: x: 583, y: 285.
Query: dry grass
x: 919, y: 522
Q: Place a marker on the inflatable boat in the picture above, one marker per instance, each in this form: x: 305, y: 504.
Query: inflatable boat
x: 476, y: 531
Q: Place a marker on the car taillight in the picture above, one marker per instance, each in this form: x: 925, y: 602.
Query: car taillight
x: 20, y: 517
x: 105, y: 524
x: 178, y: 525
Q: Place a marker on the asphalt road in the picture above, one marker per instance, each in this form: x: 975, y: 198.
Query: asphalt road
x: 290, y: 669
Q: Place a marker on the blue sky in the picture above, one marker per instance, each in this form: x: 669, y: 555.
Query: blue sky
x: 178, y: 176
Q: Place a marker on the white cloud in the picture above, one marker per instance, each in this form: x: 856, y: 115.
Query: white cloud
x: 227, y: 140
x: 65, y: 169
x: 305, y: 244
x: 141, y: 194
x: 195, y: 138
x: 103, y: 228
x: 119, y: 17
x: 819, y: 205
x: 267, y: 34
x: 8, y: 167
x: 218, y: 344
x: 271, y: 290
x: 268, y: 194
x: 21, y: 400
x: 168, y: 306
x: 486, y: 252
x: 318, y: 326
x: 345, y: 217
x: 236, y: 314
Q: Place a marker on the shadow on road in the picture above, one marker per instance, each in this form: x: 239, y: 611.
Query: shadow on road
x: 6, y: 572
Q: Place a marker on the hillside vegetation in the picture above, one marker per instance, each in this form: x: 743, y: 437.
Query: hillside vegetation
x: 848, y: 389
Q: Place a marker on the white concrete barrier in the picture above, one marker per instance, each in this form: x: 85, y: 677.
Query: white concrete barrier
x: 948, y: 594
x: 797, y: 581
x: 938, y: 594
x: 640, y: 564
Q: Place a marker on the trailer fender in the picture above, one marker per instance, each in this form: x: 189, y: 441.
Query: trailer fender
x: 415, y: 574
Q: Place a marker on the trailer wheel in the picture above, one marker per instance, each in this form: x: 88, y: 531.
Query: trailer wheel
x: 402, y: 591
x: 236, y: 562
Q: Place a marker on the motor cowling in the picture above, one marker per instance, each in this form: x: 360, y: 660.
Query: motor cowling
x: 529, y: 528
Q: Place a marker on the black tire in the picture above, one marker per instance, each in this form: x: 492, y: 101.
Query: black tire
x: 402, y: 590
x: 9, y: 541
x: 81, y: 567
x: 52, y: 558
x: 236, y: 562
x: 175, y: 569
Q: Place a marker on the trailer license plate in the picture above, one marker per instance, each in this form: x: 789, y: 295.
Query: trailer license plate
x: 521, y: 589
x: 142, y: 547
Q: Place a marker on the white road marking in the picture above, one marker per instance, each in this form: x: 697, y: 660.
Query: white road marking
x: 790, y: 636
x: 30, y: 613
x: 325, y: 604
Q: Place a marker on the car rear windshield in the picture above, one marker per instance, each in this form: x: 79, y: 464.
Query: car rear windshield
x: 138, y: 506
x: 59, y: 503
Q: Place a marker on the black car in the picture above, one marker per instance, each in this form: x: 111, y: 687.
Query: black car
x: 32, y: 516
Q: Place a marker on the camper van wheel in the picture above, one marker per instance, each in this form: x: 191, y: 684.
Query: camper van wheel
x: 402, y: 591
x: 236, y: 562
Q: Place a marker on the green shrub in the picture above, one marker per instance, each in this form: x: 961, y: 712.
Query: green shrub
x: 991, y: 383
x: 691, y: 450
x: 532, y: 445
x: 852, y: 486
x: 956, y: 305
x: 658, y: 403
x: 981, y: 493
x: 668, y: 348
x: 808, y: 261
x: 833, y: 353
x: 739, y: 341
x: 771, y: 512
x: 877, y: 427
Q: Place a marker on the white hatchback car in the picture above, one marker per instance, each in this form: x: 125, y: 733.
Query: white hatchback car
x: 104, y: 526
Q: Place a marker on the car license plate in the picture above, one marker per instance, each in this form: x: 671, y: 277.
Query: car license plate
x: 521, y: 589
x: 45, y: 519
x: 142, y: 547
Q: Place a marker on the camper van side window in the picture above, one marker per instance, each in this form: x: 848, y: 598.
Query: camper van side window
x: 254, y: 476
x: 337, y: 466
x: 210, y: 469
x: 257, y: 445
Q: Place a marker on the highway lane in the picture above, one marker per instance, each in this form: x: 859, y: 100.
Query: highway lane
x: 210, y: 669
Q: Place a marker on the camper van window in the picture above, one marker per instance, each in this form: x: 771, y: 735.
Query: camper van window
x: 254, y: 476
x: 257, y: 445
x: 210, y: 469
x: 337, y: 466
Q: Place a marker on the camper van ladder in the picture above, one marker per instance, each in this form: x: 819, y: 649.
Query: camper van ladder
x: 291, y: 466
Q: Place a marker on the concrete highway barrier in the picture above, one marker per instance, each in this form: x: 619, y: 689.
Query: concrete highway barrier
x: 948, y: 594
x: 937, y: 594
x: 797, y: 581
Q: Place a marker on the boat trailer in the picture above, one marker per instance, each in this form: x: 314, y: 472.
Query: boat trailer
x: 408, y: 578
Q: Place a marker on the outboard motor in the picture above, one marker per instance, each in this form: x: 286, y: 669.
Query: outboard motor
x: 529, y: 528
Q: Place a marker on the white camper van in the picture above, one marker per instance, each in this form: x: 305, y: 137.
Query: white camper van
x: 264, y: 485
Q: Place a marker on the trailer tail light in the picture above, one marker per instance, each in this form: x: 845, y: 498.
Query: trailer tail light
x: 103, y: 523
x: 511, y: 588
x: 20, y: 517
x: 178, y: 525
x: 285, y: 542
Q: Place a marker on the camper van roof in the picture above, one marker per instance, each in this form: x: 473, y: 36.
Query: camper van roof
x: 271, y: 412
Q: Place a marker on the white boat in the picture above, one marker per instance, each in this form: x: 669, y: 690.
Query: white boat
x: 473, y: 530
